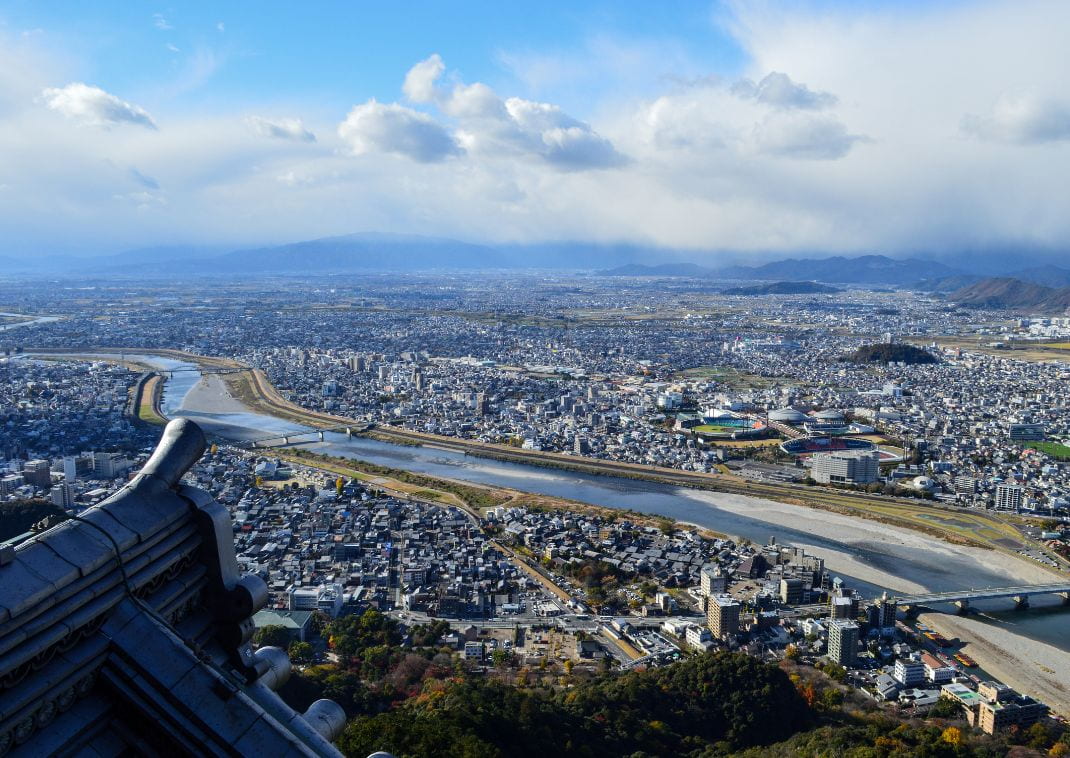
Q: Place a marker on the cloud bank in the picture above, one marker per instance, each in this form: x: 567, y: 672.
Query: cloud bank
x: 853, y: 130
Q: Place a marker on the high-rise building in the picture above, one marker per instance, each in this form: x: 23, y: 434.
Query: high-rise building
x: 843, y: 642
x: 792, y: 591
x: 966, y: 486
x: 850, y: 467
x: 722, y: 616
x: 714, y: 581
x: 1008, y: 497
x: 109, y: 465
x: 61, y: 496
x: 38, y: 472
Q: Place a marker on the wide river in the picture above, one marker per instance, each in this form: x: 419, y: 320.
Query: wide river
x: 863, y: 544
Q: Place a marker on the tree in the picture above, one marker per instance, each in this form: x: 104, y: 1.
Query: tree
x: 500, y: 658
x: 300, y: 652
x: 952, y: 736
x: 272, y: 635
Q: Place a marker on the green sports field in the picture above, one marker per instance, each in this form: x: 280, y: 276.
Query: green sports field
x: 1054, y: 449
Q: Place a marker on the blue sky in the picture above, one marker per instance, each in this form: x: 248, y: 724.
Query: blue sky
x: 743, y: 128
x: 331, y: 54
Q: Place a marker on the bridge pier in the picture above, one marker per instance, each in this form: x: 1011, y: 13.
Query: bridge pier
x: 1066, y: 597
x: 349, y: 431
x: 1021, y: 602
x: 321, y: 436
x: 285, y: 440
x: 963, y: 607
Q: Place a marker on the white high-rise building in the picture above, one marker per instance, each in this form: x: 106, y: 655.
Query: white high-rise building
x: 850, y: 467
x: 1008, y: 497
x: 843, y: 642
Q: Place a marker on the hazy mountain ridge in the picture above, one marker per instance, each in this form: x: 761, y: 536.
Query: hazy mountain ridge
x: 1012, y: 293
x: 384, y: 252
x: 784, y: 288
x: 865, y: 269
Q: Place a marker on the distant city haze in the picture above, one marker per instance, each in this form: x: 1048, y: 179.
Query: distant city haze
x: 713, y: 133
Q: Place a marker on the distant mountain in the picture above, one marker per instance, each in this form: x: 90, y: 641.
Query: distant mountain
x: 664, y: 269
x: 946, y: 283
x: 865, y: 269
x: 1047, y: 275
x: 784, y: 288
x: 362, y: 252
x: 1008, y: 292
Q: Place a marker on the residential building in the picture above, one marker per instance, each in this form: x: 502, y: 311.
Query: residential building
x: 722, y: 616
x: 843, y: 642
x: 1008, y: 497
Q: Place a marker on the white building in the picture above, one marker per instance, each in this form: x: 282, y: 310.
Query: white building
x: 327, y: 598
x: 843, y: 642
x: 909, y: 672
x: 1008, y: 497
x: 850, y: 467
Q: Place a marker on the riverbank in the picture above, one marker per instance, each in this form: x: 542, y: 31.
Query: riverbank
x: 1031, y: 667
x: 251, y: 391
x: 849, y: 530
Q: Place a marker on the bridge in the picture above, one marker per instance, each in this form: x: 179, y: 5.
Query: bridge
x: 962, y: 598
x: 303, y: 436
x: 203, y: 371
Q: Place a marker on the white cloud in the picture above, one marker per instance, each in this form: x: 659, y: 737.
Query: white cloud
x: 94, y: 106
x: 1024, y: 119
x: 888, y: 130
x: 282, y: 128
x: 419, y: 85
x: 808, y: 137
x: 779, y: 90
x: 393, y: 128
x: 161, y: 22
x: 491, y: 127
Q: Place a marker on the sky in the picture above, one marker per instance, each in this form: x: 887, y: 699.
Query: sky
x: 728, y: 129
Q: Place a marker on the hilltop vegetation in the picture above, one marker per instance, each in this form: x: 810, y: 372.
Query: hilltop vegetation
x: 889, y: 352
x: 17, y: 517
x: 710, y: 703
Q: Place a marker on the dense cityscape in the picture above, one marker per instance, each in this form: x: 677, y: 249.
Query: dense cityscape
x: 475, y: 380
x: 761, y: 390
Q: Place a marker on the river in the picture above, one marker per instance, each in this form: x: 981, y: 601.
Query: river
x: 914, y: 559
x: 32, y: 320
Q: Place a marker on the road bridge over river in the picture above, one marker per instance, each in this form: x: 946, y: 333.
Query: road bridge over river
x: 963, y: 598
x: 302, y: 436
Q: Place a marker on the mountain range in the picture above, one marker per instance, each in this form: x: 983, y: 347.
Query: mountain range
x: 377, y: 252
x: 1013, y: 294
x: 864, y: 269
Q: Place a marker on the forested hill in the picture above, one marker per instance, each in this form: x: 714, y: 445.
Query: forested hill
x: 708, y: 703
x: 891, y: 352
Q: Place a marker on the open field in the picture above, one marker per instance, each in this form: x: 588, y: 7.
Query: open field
x: 1019, y: 351
x: 149, y: 401
x: 1054, y: 449
x: 731, y: 377
x: 770, y: 442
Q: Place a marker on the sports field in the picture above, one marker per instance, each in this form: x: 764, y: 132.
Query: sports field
x: 1054, y: 449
